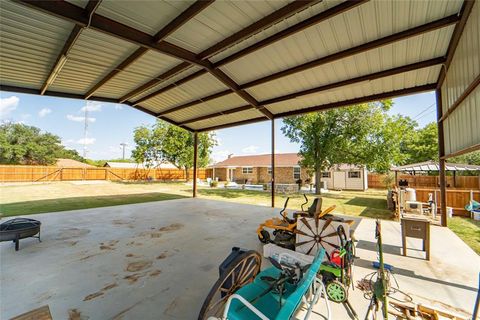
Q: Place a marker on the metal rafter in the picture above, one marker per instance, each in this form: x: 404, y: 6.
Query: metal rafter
x: 403, y: 35
x: 79, y: 16
x: 326, y: 87
x: 226, y: 80
x: 428, y: 27
x: 457, y: 33
x: 90, y: 8
x: 318, y: 18
x: 100, y: 23
x: 176, y: 23
x: 375, y: 97
x: 282, y: 13
x: 80, y: 97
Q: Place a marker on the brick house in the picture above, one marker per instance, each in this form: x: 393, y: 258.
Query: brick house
x: 256, y: 169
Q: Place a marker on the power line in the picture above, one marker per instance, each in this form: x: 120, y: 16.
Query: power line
x: 424, y: 110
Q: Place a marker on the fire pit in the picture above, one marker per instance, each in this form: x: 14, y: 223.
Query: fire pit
x: 19, y: 228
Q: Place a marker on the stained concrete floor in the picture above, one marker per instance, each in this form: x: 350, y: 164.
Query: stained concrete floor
x: 158, y: 260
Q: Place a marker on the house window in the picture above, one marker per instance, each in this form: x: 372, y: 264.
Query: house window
x: 247, y: 170
x: 296, y: 173
x: 326, y: 174
x: 269, y: 170
x: 354, y: 174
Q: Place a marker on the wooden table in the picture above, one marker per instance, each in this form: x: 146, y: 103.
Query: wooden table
x: 416, y: 228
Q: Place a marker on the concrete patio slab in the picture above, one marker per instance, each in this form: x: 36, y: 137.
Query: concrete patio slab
x: 158, y: 260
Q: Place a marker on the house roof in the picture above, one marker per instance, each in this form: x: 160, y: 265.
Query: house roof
x: 71, y: 163
x: 204, y: 65
x: 126, y: 165
x: 262, y: 160
x: 433, y: 166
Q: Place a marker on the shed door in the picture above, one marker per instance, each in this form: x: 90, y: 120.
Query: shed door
x: 339, y: 179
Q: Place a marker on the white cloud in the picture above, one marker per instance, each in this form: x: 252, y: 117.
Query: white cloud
x: 42, y: 113
x: 250, y: 149
x: 7, y: 105
x: 220, y: 155
x: 86, y: 141
x: 92, y: 106
x: 79, y: 118
x: 118, y: 107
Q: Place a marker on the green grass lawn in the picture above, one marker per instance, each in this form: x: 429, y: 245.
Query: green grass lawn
x: 75, y: 203
x: 468, y: 230
x: 371, y: 203
x: 24, y: 199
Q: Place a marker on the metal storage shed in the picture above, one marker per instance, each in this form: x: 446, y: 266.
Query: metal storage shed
x: 206, y: 65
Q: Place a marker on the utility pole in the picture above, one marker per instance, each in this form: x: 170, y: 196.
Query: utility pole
x: 123, y: 144
x: 85, y: 130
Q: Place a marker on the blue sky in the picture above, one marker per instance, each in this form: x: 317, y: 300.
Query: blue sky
x: 112, y: 124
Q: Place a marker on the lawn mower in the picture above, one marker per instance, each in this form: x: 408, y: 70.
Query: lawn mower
x: 284, y: 227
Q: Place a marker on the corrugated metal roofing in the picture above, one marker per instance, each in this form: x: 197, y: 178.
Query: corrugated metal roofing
x: 220, y: 20
x: 90, y: 60
x: 29, y: 44
x: 147, y: 67
x: 433, y: 166
x: 145, y: 15
x: 31, y: 40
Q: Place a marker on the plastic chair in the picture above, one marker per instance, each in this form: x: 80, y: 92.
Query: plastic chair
x: 268, y: 307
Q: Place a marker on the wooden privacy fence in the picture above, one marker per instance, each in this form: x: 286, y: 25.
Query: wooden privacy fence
x: 49, y: 173
x: 456, y: 198
x: 459, y: 182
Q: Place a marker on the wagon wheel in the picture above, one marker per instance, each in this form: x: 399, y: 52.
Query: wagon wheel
x: 318, y: 236
x: 240, y: 272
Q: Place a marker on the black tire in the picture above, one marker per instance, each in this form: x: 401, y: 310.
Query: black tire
x: 265, y: 238
x: 244, y: 269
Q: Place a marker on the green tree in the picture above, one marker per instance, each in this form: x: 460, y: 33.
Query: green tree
x: 164, y: 142
x: 351, y: 135
x: 469, y: 158
x: 421, y: 145
x: 22, y: 144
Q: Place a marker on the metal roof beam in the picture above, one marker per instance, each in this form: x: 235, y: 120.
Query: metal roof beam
x: 170, y: 86
x: 316, y: 19
x: 330, y: 86
x: 339, y: 55
x: 90, y: 8
x: 226, y: 80
x: 322, y: 16
x: 217, y: 114
x: 457, y: 34
x: 375, y: 97
x: 428, y: 27
x: 79, y: 16
x: 282, y: 13
x: 233, y: 124
x: 80, y: 96
x: 176, y: 23
x: 195, y: 102
x: 360, y: 79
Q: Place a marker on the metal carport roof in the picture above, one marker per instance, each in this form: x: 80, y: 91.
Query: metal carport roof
x: 210, y: 64
x: 434, y: 166
x: 206, y: 65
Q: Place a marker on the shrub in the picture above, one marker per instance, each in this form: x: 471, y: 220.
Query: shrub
x: 214, y: 184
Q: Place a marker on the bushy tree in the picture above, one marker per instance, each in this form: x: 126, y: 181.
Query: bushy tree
x: 22, y: 144
x: 421, y: 145
x: 354, y: 135
x: 164, y: 142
